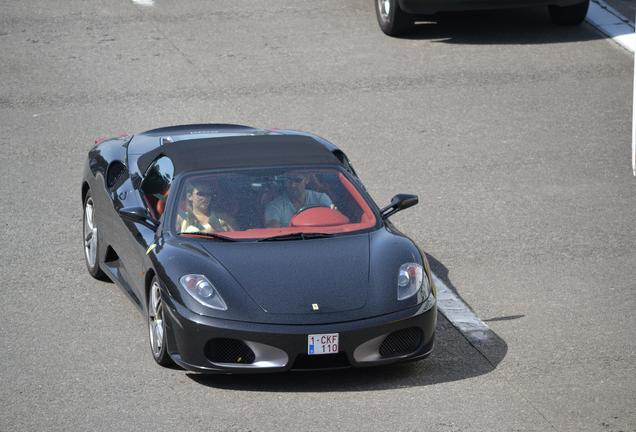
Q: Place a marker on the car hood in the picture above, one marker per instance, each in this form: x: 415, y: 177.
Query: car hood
x: 290, y: 277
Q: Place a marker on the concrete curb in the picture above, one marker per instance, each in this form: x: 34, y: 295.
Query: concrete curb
x: 611, y: 23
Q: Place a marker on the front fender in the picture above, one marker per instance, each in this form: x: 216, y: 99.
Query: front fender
x: 389, y: 250
x: 174, y: 259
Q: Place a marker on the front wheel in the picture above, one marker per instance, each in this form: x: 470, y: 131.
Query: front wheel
x: 392, y: 19
x: 569, y: 15
x: 157, y: 325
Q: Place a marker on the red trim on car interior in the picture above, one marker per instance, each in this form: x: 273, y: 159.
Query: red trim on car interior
x: 318, y: 216
x: 270, y: 232
x: 367, y: 215
x: 160, y: 206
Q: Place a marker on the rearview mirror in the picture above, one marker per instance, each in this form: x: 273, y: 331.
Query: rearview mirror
x: 399, y: 202
x: 139, y: 215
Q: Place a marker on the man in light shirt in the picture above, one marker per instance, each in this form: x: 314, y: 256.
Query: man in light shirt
x: 280, y: 211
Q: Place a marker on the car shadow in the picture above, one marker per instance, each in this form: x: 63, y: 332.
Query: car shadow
x: 523, y: 26
x: 454, y: 358
x: 486, y: 342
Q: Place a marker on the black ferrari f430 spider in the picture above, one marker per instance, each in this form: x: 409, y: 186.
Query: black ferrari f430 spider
x: 254, y: 250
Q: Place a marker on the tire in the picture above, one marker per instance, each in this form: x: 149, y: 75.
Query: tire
x: 392, y: 19
x: 91, y: 239
x: 569, y: 15
x: 157, y: 325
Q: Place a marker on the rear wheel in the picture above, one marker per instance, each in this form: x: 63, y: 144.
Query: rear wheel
x: 392, y: 19
x: 91, y: 240
x: 569, y: 15
x: 157, y: 325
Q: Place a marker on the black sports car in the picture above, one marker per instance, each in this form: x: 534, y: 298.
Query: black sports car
x: 254, y: 250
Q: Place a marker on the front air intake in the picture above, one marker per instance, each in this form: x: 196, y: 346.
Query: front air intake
x: 229, y: 351
x: 401, y: 342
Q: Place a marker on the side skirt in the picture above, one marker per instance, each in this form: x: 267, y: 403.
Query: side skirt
x: 115, y: 272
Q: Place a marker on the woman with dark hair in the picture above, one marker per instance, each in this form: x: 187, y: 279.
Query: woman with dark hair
x: 202, y: 213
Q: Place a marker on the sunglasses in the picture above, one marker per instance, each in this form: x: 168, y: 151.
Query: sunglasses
x: 295, y: 179
x: 205, y: 194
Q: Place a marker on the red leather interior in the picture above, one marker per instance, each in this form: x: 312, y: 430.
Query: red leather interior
x: 319, y: 216
x: 160, y: 205
x: 367, y: 217
x: 367, y: 220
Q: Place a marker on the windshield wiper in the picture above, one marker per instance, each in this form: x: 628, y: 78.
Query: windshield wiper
x: 296, y: 236
x: 211, y: 235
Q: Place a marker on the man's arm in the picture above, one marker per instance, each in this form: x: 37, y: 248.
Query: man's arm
x: 272, y: 216
x: 324, y: 199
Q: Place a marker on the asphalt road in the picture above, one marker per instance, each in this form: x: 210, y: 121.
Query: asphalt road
x: 515, y: 134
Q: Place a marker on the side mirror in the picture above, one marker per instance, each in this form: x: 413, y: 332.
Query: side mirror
x: 399, y: 202
x: 139, y: 215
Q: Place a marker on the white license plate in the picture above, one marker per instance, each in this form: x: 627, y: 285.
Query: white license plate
x: 322, y: 343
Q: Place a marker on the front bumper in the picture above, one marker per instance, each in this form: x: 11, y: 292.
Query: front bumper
x: 277, y: 348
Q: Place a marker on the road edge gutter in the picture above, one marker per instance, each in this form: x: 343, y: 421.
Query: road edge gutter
x: 610, y: 22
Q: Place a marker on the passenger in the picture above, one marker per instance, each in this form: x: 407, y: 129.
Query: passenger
x: 280, y: 211
x: 202, y: 213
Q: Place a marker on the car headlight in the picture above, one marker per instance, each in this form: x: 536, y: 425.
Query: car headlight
x: 412, y: 278
x: 202, y: 290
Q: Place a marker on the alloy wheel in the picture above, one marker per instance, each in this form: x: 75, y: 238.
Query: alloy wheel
x: 90, y: 233
x: 384, y: 6
x: 156, y: 323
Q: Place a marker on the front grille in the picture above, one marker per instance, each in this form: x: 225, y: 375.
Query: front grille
x: 322, y: 361
x: 401, y: 342
x: 229, y: 351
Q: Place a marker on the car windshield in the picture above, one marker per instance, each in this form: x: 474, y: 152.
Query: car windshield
x: 270, y: 202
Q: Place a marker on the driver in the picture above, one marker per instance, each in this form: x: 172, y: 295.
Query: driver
x: 279, y: 212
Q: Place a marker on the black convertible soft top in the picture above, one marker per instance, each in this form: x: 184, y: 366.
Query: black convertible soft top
x: 240, y: 151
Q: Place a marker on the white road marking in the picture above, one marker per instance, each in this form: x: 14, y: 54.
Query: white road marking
x: 459, y: 314
x: 610, y: 22
x: 144, y: 2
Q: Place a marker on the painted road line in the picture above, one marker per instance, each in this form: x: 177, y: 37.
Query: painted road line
x: 610, y: 22
x: 144, y: 2
x: 460, y: 315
